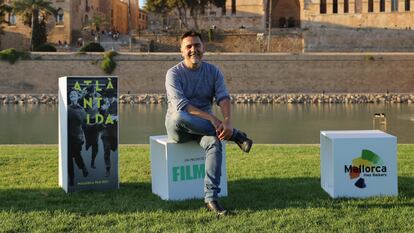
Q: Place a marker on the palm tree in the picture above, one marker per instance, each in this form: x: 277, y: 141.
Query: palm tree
x: 3, y: 10
x: 32, y: 9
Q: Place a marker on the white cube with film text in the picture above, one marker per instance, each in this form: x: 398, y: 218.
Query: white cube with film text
x: 178, y: 169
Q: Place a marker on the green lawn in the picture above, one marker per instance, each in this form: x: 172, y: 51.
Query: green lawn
x: 273, y: 189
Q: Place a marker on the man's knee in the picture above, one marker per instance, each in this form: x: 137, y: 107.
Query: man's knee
x: 209, y: 142
x: 180, y: 117
x: 174, y: 127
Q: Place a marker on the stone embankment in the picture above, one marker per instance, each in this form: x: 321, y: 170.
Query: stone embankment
x: 235, y: 98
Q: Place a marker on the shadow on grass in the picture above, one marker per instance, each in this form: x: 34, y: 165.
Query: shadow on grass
x: 246, y: 194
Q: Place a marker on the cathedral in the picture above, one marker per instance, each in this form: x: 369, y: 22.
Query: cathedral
x: 256, y: 14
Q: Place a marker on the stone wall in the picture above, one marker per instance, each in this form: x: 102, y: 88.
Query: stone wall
x: 379, y: 98
x: 357, y: 40
x: 400, y: 19
x: 244, y: 73
x: 318, y: 38
x: 288, y: 41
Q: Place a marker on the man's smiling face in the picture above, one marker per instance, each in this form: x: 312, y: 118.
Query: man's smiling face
x: 192, y: 51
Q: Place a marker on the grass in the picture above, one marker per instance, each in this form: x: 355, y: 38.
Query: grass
x: 275, y: 189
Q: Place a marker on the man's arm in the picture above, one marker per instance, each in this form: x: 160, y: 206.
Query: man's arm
x: 175, y: 93
x: 225, y: 129
x: 205, y: 115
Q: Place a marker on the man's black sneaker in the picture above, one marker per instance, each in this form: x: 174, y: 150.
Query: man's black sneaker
x: 243, y: 142
x: 216, y: 208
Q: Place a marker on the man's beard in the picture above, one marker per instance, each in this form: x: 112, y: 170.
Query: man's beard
x: 195, y: 58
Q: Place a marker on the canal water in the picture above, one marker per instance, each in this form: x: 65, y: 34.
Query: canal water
x: 264, y: 123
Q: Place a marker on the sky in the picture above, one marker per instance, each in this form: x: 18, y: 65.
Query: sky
x: 142, y: 3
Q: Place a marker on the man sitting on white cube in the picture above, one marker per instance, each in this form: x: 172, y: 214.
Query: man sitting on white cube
x: 191, y: 87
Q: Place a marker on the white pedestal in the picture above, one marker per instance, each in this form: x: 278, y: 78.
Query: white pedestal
x: 358, y: 163
x: 178, y: 169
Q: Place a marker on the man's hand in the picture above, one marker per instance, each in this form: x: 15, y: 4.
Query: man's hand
x: 225, y: 130
x: 216, y: 123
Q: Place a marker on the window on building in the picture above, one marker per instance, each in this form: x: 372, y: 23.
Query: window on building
x: 346, y: 6
x: 358, y: 6
x: 291, y: 22
x: 59, y: 16
x: 370, y: 5
x: 87, y: 8
x: 233, y: 7
x: 86, y: 20
x: 322, y: 7
x: 394, y: 5
x: 382, y: 5
x: 335, y: 6
x: 283, y: 22
x: 12, y: 19
x: 407, y: 5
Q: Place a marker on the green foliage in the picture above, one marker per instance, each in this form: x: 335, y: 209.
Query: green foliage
x: 159, y: 6
x: 110, y: 54
x: 369, y: 58
x: 219, y: 3
x: 152, y: 46
x: 92, y: 47
x: 39, y: 35
x: 210, y: 35
x: 4, y: 9
x: 181, y: 7
x: 11, y: 55
x: 108, y: 65
x: 45, y: 48
x: 99, y: 20
x: 35, y: 14
x: 275, y: 188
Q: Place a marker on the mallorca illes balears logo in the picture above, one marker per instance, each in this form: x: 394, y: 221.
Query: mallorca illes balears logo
x: 368, y: 165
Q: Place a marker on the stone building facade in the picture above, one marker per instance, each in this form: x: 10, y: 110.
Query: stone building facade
x: 74, y: 20
x: 254, y: 14
x: 142, y: 20
x: 120, y: 12
x: 324, y: 25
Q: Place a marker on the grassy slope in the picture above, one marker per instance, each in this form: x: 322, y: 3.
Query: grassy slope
x: 276, y: 188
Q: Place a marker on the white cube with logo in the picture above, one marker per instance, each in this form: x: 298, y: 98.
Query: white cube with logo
x: 358, y: 164
x: 178, y: 169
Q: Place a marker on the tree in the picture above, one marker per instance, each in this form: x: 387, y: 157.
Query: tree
x: 182, y: 8
x: 98, y: 21
x: 35, y: 14
x: 4, y: 9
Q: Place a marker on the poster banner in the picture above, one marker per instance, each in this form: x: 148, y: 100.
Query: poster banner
x: 88, y: 133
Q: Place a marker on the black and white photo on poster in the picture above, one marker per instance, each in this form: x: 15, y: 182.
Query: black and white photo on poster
x: 92, y: 133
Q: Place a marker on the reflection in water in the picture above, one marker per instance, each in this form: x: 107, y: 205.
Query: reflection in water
x: 265, y: 123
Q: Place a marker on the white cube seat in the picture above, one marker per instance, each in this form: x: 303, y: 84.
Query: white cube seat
x: 178, y: 169
x: 359, y: 163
